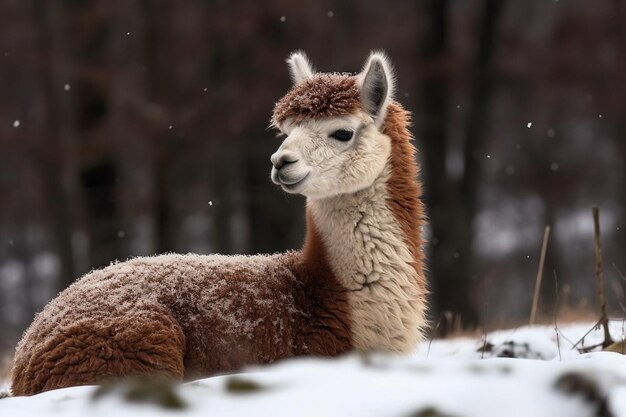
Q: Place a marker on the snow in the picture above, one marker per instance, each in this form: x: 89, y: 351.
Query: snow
x: 452, y: 377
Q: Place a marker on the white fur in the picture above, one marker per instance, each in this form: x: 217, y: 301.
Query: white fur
x: 368, y: 255
x: 300, y: 67
x: 322, y: 166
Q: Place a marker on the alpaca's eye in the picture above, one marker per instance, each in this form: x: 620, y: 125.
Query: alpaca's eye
x: 343, y: 135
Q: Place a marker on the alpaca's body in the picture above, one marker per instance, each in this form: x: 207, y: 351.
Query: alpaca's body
x: 358, y: 282
x: 182, y: 315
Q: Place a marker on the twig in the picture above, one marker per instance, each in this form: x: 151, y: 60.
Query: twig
x: 482, y: 351
x: 604, y: 317
x: 484, y: 319
x: 509, y: 338
x: 449, y: 317
x: 590, y: 348
x: 556, y: 310
x: 621, y: 275
x: 432, y: 337
x: 619, y: 292
x: 567, y: 339
x: 595, y: 326
x: 623, y: 326
x: 542, y: 260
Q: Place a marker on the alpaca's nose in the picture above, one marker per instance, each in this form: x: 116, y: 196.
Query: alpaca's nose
x: 282, y: 158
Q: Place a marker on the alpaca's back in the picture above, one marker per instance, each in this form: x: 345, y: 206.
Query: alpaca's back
x: 182, y: 315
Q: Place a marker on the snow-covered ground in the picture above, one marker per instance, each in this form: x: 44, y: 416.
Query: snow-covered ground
x: 518, y: 372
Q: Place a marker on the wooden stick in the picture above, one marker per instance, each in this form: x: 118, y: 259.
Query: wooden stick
x: 595, y: 326
x: 621, y: 275
x: 604, y: 317
x: 542, y: 260
x: 556, y: 312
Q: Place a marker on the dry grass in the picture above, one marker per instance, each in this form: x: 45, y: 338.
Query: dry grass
x: 581, y: 313
x: 6, y: 361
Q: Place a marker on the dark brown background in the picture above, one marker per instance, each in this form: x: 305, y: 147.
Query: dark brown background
x: 143, y: 129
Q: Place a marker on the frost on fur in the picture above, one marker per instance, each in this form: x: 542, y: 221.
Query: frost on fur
x: 357, y: 283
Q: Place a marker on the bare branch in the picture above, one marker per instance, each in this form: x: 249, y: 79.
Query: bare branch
x: 604, y: 317
x: 556, y: 310
x: 542, y: 260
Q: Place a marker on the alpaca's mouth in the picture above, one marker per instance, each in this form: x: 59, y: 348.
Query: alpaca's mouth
x: 291, y: 185
x: 288, y: 179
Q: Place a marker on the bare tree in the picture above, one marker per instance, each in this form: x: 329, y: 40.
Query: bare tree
x: 60, y: 168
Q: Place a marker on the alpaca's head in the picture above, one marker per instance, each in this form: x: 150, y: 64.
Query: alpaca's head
x: 332, y: 124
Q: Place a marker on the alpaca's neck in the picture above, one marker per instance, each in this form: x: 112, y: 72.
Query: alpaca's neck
x: 367, y: 250
x: 371, y: 242
x: 361, y: 236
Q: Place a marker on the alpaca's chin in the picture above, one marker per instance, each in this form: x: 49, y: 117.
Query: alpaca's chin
x: 295, y: 187
x: 290, y: 181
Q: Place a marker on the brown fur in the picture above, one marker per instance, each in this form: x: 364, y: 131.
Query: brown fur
x: 324, y: 95
x: 178, y: 315
x: 404, y: 189
x: 331, y: 309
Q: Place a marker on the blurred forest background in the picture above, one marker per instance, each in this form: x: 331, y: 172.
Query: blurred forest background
x: 138, y: 127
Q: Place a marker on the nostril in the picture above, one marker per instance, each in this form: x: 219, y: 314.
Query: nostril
x: 281, y: 161
x: 287, y: 162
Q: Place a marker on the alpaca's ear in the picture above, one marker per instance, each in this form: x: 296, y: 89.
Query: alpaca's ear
x: 376, y: 84
x: 300, y: 67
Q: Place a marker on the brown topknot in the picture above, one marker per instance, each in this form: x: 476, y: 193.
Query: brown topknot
x: 323, y: 95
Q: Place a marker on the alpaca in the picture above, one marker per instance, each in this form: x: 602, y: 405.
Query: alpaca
x: 357, y: 284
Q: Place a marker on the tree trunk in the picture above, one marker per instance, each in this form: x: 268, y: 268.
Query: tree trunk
x: 452, y: 203
x: 60, y: 167
x: 450, y: 254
